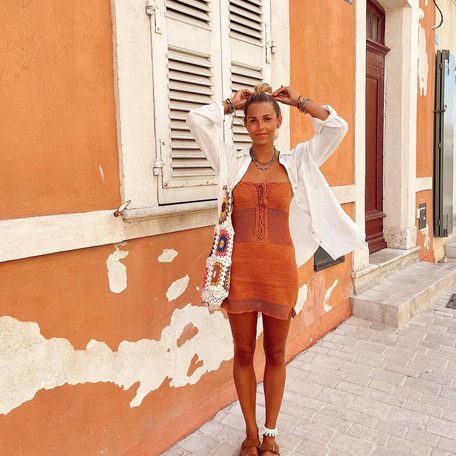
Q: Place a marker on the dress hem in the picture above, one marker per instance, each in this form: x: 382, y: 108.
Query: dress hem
x: 258, y: 306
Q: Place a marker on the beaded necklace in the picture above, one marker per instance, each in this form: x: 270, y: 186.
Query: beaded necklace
x: 263, y: 166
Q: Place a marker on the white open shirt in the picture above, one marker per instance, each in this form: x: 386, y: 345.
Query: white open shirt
x: 315, y: 217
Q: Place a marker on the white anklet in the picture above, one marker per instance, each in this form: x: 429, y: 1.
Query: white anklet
x: 270, y: 432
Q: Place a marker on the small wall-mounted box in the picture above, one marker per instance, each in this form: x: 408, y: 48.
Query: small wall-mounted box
x: 421, y: 215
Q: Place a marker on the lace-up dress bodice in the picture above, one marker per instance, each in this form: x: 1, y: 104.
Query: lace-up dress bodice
x: 264, y: 275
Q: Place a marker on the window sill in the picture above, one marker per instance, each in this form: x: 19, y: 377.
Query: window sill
x: 33, y: 236
x: 152, y: 221
x: 172, y: 210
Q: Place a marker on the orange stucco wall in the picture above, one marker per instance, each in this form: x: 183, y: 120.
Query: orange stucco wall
x: 322, y: 42
x: 57, y: 111
x: 425, y: 135
x: 425, y: 102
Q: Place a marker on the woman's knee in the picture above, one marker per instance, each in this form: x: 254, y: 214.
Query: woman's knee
x: 275, y: 356
x: 244, y: 355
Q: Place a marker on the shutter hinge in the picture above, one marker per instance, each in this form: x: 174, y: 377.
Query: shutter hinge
x: 272, y: 46
x: 158, y: 165
x: 153, y: 9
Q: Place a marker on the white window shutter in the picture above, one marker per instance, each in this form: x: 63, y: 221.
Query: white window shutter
x: 249, y: 25
x: 187, y: 74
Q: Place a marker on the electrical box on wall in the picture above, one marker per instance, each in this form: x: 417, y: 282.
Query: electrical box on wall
x: 421, y: 216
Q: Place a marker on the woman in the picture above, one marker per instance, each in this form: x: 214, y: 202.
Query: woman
x: 273, y: 233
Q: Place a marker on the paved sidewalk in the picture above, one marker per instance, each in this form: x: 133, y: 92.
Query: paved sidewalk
x: 363, y: 389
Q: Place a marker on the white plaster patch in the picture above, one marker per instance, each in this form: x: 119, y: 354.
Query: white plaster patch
x: 29, y: 362
x: 167, y: 256
x: 100, y: 168
x: 177, y: 288
x: 302, y: 298
x: 326, y: 306
x: 423, y: 64
x: 117, y: 272
x: 427, y: 240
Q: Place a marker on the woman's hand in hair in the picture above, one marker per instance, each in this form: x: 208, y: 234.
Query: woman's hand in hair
x: 286, y: 95
x: 241, y: 97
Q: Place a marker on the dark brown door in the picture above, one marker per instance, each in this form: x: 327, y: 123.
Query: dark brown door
x: 375, y: 68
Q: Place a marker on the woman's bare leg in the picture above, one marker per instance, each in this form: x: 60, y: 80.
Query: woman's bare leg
x: 274, y: 339
x: 243, y: 328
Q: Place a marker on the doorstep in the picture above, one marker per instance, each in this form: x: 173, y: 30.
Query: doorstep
x: 381, y: 265
x: 404, y: 292
x: 450, y: 248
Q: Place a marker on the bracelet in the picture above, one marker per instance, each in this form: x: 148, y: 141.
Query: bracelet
x: 230, y: 106
x: 302, y: 102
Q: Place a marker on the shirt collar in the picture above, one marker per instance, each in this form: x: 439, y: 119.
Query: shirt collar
x: 245, y: 151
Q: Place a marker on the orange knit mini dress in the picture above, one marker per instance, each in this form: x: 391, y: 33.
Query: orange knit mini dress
x: 264, y: 275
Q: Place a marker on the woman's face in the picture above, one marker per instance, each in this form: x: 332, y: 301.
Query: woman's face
x: 262, y: 122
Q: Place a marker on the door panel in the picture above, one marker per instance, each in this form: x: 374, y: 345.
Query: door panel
x: 375, y: 69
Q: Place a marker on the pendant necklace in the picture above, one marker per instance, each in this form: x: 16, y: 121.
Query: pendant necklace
x: 263, y: 166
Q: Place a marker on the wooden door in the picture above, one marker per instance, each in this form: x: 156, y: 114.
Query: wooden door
x: 375, y: 69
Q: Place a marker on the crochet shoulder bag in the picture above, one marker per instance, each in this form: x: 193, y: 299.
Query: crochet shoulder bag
x: 216, y: 282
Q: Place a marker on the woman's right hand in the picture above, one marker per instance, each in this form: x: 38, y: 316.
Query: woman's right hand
x: 241, y: 97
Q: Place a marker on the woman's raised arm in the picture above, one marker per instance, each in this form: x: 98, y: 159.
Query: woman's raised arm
x: 329, y: 128
x: 205, y: 123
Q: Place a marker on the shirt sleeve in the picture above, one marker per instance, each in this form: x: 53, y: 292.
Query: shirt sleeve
x: 328, y: 134
x: 205, y: 123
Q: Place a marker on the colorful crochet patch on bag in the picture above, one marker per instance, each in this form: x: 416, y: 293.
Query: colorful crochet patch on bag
x: 225, y: 209
x: 216, y: 273
x: 223, y: 242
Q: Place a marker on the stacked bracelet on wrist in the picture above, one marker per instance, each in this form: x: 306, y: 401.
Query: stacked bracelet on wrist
x: 302, y: 103
x: 231, y: 107
x: 231, y: 110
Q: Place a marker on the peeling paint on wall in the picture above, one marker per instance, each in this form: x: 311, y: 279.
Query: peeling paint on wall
x: 423, y: 64
x: 117, y: 272
x: 30, y: 362
x: 177, y: 288
x: 167, y: 256
x: 302, y: 298
x: 326, y: 306
x: 427, y: 239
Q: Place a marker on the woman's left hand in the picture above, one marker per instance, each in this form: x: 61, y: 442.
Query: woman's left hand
x: 286, y: 95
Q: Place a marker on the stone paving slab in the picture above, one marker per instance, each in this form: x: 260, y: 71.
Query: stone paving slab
x: 364, y: 389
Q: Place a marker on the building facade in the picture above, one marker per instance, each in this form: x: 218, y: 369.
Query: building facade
x: 108, y: 205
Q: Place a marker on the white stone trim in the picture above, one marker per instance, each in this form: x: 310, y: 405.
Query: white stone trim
x: 360, y: 257
x: 33, y: 236
x: 401, y: 89
x: 423, y: 183
x: 134, y: 102
x: 345, y: 193
x: 280, y: 68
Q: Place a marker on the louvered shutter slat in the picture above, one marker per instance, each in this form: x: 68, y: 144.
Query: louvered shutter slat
x: 192, y: 10
x: 254, y: 7
x: 246, y: 20
x: 190, y: 85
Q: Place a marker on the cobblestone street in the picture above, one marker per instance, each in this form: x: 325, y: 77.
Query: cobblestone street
x: 363, y: 390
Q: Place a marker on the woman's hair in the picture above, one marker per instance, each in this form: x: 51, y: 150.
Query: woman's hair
x: 262, y: 94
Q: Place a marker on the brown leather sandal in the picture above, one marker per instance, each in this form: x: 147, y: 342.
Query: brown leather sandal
x: 270, y: 446
x: 249, y: 443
